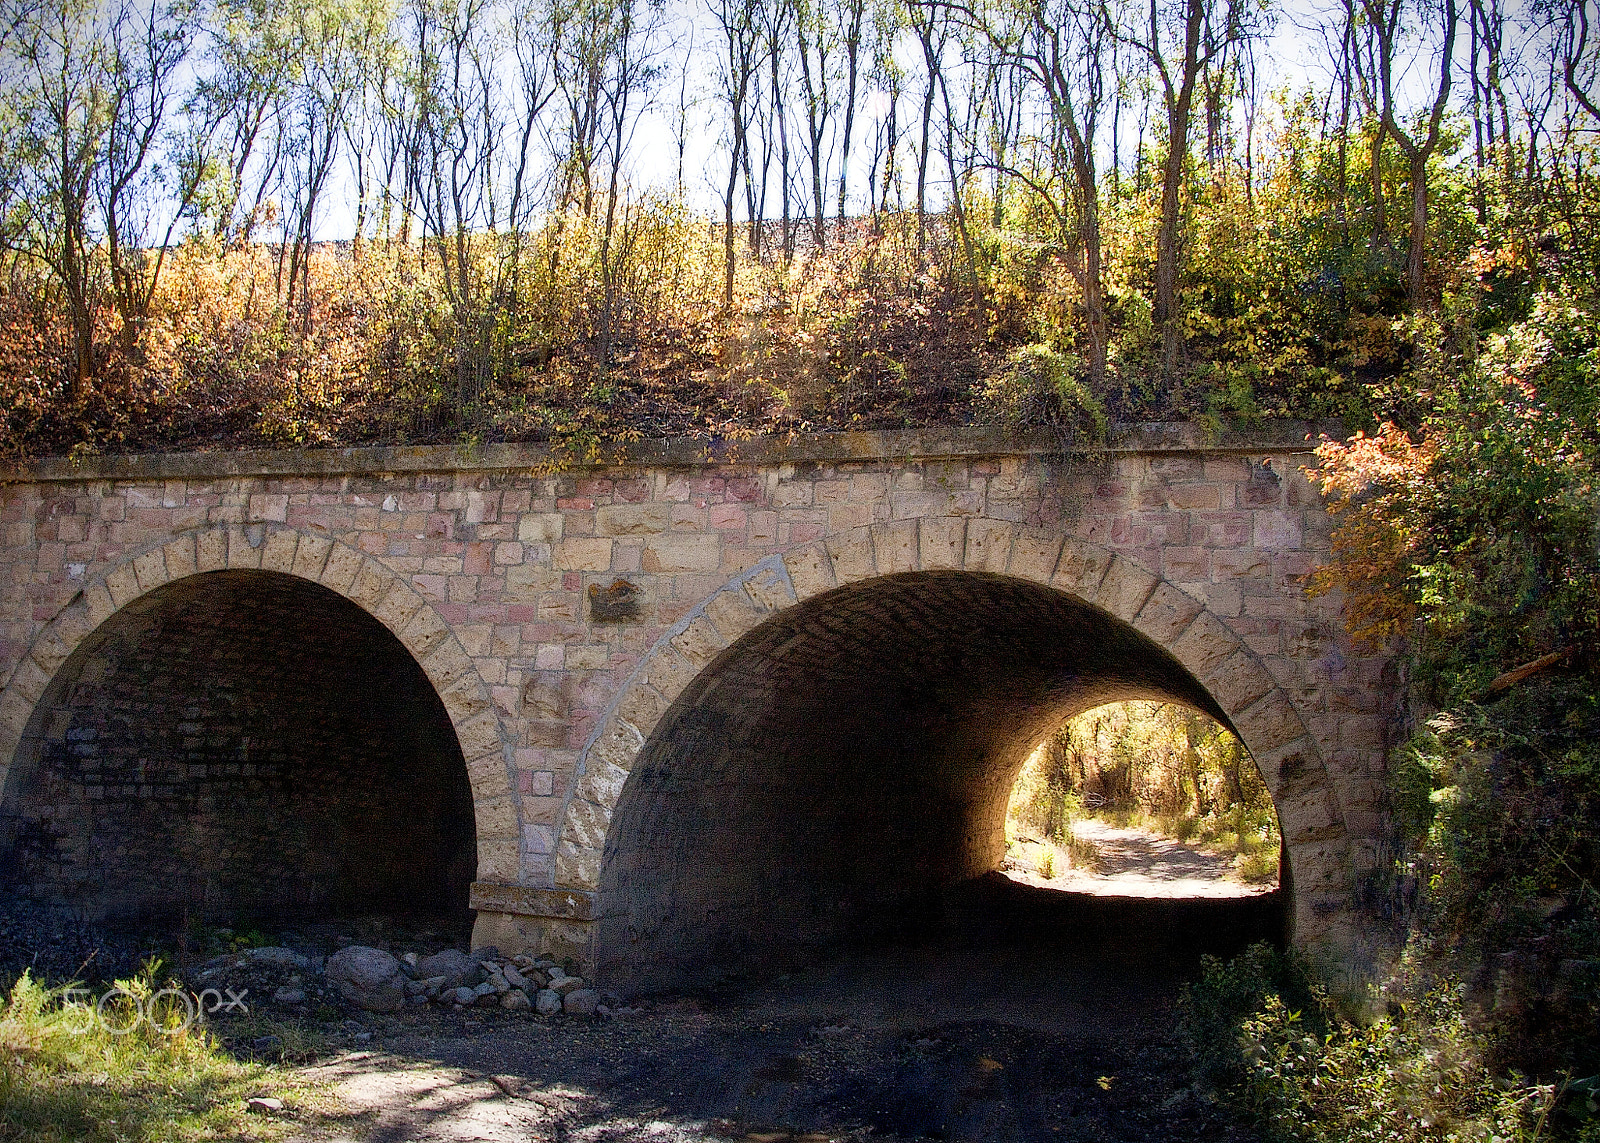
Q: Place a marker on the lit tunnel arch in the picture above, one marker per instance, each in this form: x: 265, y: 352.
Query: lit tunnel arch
x: 836, y: 768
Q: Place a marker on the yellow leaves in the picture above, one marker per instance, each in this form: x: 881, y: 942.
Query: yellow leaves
x: 1368, y: 482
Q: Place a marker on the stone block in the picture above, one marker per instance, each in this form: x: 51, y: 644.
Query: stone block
x: 498, y: 858
x: 342, y: 567
x: 769, y: 587
x: 895, y: 546
x: 988, y: 545
x: 943, y: 543
x: 277, y: 554
x: 463, y: 697
x: 150, y: 569
x: 97, y: 598
x: 733, y: 612
x: 678, y: 552
x: 397, y: 606
x: 211, y: 550
x: 574, y: 554
x: 541, y: 527
x: 634, y: 519
x: 1034, y: 554
x: 1307, y: 817
x: 180, y: 557
x: 699, y: 643
x: 1081, y: 568
x: 371, y: 584
x: 495, y: 817
x: 479, y: 734
x: 1238, y: 682
x: 447, y: 662
x: 423, y: 632
x: 851, y: 553
x: 1269, y: 723
x: 810, y: 570
x: 601, y: 783
x: 529, y: 582
x: 587, y: 824
x: 642, y: 706
x: 616, y: 747
x: 577, y: 867
x: 123, y: 584
x: 1167, y: 613
x: 666, y: 671
x: 1205, y: 646
x: 1124, y: 588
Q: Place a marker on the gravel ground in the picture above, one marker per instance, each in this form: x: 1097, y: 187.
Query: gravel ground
x: 950, y: 1043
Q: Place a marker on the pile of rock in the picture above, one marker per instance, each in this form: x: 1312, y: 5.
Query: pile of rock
x: 485, y: 979
x: 287, y: 977
x: 378, y: 981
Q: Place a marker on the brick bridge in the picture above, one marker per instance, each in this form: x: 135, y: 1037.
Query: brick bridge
x: 694, y: 704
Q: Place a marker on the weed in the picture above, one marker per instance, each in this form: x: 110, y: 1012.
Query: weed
x: 66, y: 1074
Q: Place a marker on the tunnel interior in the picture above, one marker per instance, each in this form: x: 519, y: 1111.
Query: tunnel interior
x: 240, y: 746
x: 833, y: 773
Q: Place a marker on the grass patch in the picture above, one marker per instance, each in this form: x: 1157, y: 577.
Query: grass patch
x: 68, y: 1076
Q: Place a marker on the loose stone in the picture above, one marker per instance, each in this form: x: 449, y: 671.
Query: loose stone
x: 368, y: 978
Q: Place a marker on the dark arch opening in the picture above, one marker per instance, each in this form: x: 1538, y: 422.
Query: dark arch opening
x: 834, y: 773
x: 240, y: 746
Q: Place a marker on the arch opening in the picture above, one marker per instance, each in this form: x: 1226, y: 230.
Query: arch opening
x: 1143, y: 799
x: 240, y: 746
x: 836, y: 772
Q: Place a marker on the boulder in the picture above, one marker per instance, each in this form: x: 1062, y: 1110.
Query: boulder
x: 582, y: 1002
x: 547, y: 1003
x: 457, y: 968
x: 463, y: 995
x: 368, y: 978
x: 515, y: 1000
x: 566, y: 984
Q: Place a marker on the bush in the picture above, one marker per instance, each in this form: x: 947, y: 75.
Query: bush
x: 1040, y: 387
x: 1269, y: 1043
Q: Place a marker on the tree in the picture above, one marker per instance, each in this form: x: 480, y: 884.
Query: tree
x: 741, y: 60
x: 1382, y: 26
x: 1180, y: 42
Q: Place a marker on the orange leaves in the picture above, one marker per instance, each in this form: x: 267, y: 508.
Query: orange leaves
x: 1372, y: 486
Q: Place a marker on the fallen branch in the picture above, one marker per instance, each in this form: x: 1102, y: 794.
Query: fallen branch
x: 1516, y: 674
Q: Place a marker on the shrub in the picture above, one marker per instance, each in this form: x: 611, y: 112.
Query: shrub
x: 1040, y: 387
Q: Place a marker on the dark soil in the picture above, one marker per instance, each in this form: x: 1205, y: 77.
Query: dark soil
x: 1069, y: 1040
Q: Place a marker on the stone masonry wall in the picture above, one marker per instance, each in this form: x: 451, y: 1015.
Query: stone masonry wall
x: 503, y: 580
x: 241, y: 746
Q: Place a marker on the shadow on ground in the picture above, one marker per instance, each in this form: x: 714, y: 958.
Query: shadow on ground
x: 1039, y: 1016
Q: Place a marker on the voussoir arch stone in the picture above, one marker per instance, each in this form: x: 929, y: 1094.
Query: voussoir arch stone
x: 1265, y: 718
x: 365, y: 581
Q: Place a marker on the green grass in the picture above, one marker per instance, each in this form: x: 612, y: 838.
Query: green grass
x: 66, y: 1076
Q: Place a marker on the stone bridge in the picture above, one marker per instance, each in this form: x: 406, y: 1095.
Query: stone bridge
x: 699, y: 704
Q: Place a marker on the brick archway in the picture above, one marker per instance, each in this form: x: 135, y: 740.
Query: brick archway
x: 1256, y: 707
x: 335, y: 566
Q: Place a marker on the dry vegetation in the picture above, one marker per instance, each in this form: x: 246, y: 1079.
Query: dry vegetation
x: 1150, y: 766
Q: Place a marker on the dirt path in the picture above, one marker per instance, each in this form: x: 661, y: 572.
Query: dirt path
x: 1138, y: 863
x: 996, y: 1045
